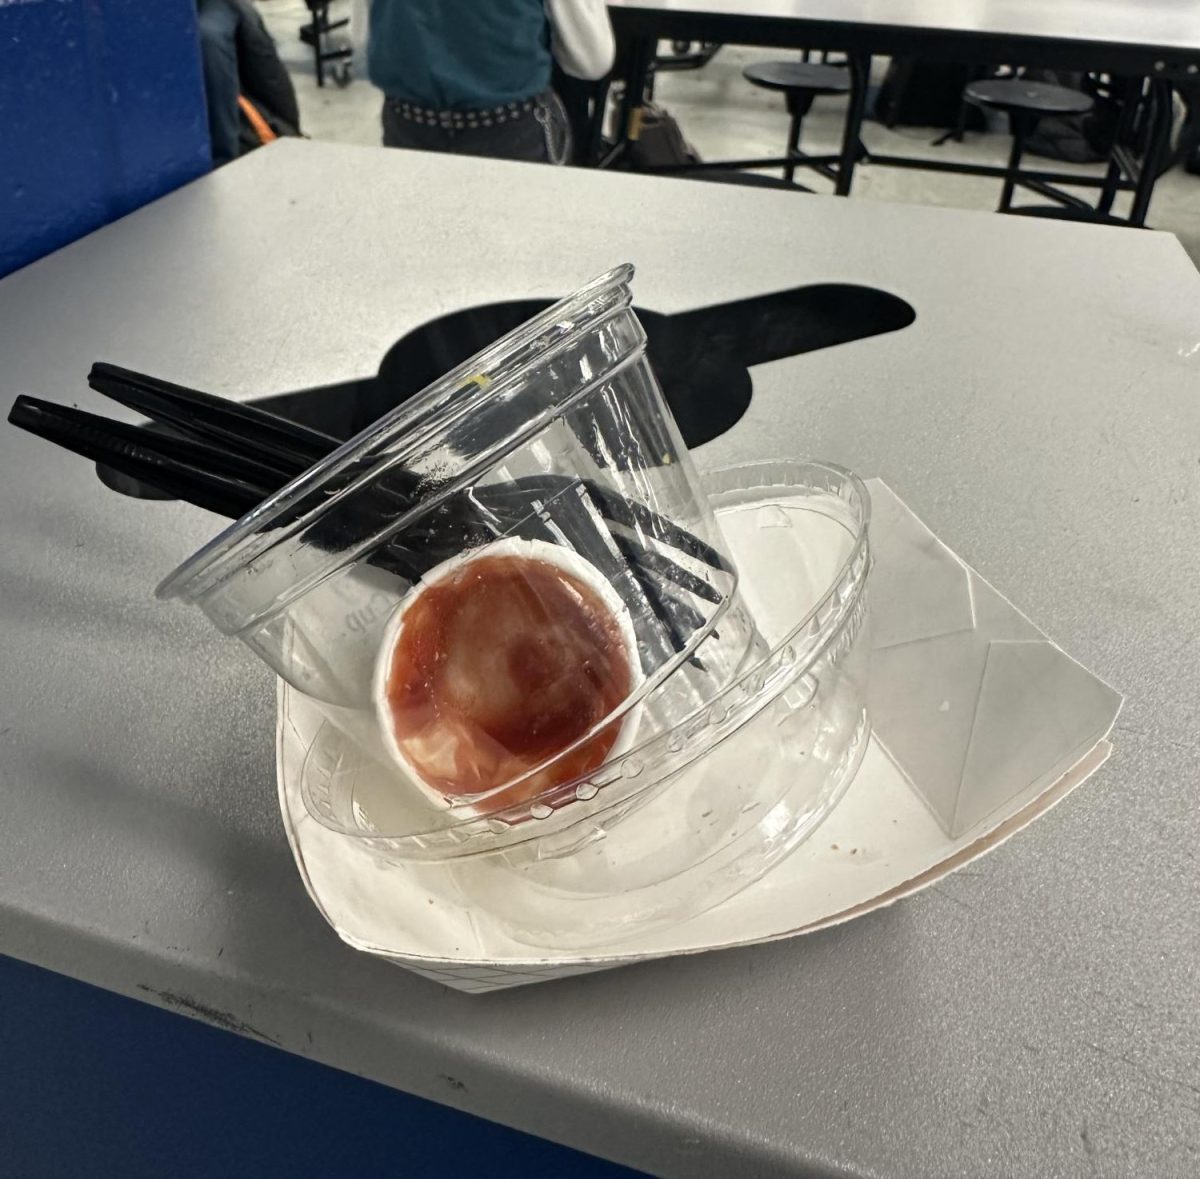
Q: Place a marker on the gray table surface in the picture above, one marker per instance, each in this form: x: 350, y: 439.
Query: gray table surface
x: 1035, y: 1014
x: 1169, y: 23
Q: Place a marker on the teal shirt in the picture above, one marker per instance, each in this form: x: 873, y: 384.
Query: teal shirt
x: 459, y: 54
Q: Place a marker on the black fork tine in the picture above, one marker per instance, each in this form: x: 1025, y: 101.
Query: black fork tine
x: 655, y: 563
x: 644, y: 574
x: 616, y: 510
x: 633, y: 515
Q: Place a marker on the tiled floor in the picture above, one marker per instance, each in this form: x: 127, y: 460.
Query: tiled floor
x: 723, y: 116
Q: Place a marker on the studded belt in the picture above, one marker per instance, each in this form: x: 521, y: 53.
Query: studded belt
x: 468, y: 120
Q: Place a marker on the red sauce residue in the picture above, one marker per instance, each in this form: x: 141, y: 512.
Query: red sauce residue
x: 498, y: 667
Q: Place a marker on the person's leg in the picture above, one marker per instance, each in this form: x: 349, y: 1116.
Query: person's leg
x: 217, y: 21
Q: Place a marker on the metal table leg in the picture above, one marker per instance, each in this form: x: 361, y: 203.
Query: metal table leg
x: 1156, y: 147
x: 590, y: 155
x: 1114, y: 172
x: 789, y: 169
x: 860, y: 72
x: 629, y: 118
x: 1021, y: 124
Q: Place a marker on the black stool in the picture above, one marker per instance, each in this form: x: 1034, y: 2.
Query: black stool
x: 314, y: 34
x: 1025, y: 103
x: 801, y: 82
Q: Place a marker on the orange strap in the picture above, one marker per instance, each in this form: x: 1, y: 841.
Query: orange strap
x: 261, y: 128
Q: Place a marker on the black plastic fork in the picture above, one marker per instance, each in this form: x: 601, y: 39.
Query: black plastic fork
x: 227, y: 458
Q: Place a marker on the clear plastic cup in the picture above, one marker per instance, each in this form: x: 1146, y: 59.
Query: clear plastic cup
x: 542, y: 480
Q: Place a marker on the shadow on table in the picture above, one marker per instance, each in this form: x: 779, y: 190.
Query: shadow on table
x: 702, y: 358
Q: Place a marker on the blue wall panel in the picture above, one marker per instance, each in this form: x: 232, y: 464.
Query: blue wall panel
x: 101, y: 110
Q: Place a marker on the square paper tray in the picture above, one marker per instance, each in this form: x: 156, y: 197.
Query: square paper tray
x: 981, y: 724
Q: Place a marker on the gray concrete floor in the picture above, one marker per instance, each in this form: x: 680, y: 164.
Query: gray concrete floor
x: 723, y: 116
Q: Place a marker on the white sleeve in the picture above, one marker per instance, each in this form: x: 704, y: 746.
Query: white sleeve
x: 581, y: 37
